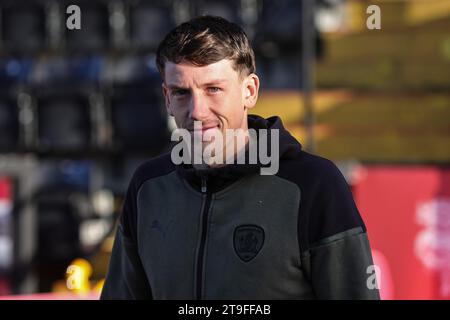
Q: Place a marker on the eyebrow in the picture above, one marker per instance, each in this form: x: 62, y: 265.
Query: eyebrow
x: 214, y: 82
x: 174, y: 86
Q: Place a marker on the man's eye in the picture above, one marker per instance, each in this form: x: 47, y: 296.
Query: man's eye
x: 180, y: 92
x: 213, y: 89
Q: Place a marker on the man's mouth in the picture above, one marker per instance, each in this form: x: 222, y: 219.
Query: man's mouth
x: 205, y: 128
x: 205, y: 132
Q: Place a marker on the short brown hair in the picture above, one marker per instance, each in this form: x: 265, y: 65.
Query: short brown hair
x: 205, y: 40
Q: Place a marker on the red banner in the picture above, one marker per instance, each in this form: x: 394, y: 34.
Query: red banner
x: 407, y: 213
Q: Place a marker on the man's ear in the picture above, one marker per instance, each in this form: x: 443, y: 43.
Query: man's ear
x: 251, y: 89
x: 167, y: 98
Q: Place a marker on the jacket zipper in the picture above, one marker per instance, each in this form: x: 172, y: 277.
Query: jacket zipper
x: 201, y: 251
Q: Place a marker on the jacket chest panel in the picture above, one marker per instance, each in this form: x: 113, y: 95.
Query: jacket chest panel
x: 246, y: 243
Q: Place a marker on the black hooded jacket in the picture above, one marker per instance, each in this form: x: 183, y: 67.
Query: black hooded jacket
x: 232, y: 233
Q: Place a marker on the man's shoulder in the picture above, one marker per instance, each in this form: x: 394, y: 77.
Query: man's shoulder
x: 308, y: 168
x: 155, y: 167
x: 328, y: 207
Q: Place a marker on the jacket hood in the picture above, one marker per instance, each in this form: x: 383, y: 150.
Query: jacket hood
x: 289, y: 146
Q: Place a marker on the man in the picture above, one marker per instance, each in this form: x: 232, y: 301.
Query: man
x: 219, y: 230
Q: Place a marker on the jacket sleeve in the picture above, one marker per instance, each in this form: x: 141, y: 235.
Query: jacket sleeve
x: 126, y: 278
x: 338, y: 259
x: 340, y: 267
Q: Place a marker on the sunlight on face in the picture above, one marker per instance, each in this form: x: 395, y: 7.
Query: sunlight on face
x: 215, y: 94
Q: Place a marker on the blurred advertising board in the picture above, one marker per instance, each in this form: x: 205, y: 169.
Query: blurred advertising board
x: 407, y: 213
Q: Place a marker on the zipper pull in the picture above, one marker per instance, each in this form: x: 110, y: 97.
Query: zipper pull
x: 203, y: 185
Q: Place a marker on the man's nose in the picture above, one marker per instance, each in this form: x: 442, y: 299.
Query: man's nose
x: 198, y: 108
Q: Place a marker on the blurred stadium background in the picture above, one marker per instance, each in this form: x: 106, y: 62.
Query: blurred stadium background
x: 81, y: 109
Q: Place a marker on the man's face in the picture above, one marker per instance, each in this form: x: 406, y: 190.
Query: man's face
x: 215, y: 94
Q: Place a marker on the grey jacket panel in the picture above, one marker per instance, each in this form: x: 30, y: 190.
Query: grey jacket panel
x: 169, y: 239
x: 168, y: 232
x: 129, y: 278
x: 270, y: 203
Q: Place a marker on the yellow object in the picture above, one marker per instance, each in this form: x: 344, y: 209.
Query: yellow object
x: 98, y: 286
x: 77, y: 276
